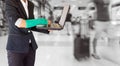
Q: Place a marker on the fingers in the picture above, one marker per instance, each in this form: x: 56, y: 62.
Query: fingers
x: 49, y: 22
x: 23, y: 24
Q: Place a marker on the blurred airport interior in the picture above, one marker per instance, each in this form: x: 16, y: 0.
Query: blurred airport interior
x: 58, y: 47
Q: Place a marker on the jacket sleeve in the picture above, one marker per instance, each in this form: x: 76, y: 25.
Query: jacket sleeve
x: 11, y: 12
x: 40, y: 30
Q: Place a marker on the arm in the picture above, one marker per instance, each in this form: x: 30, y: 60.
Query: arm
x: 21, y: 23
x: 40, y: 30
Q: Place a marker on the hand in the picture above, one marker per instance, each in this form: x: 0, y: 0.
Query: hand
x: 49, y: 22
x: 22, y: 24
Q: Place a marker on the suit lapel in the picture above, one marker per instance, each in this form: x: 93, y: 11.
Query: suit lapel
x: 30, y: 10
x: 22, y: 9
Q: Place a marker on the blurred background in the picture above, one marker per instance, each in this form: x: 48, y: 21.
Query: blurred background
x: 58, y: 47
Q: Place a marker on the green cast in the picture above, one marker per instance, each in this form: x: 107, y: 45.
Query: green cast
x: 33, y: 22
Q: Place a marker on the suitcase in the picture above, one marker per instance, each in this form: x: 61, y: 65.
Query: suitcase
x: 82, y: 42
x: 81, y: 48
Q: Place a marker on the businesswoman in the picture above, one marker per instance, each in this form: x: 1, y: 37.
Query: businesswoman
x: 21, y: 45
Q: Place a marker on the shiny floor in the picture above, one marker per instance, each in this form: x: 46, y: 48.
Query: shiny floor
x: 56, y: 49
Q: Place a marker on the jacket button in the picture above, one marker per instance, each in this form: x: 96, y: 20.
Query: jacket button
x: 30, y: 41
x: 29, y: 31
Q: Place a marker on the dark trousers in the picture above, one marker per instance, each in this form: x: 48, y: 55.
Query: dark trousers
x: 21, y: 59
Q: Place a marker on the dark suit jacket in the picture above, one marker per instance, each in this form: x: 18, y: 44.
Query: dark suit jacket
x: 18, y: 39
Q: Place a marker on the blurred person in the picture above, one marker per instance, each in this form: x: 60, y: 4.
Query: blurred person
x: 68, y: 23
x: 101, y: 23
x: 91, y: 11
x: 21, y: 45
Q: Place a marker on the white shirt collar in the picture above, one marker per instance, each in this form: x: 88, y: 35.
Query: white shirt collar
x: 25, y: 5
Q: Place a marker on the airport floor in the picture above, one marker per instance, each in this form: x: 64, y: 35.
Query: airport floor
x: 56, y: 49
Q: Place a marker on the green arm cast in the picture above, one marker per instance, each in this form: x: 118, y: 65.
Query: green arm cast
x: 33, y: 22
